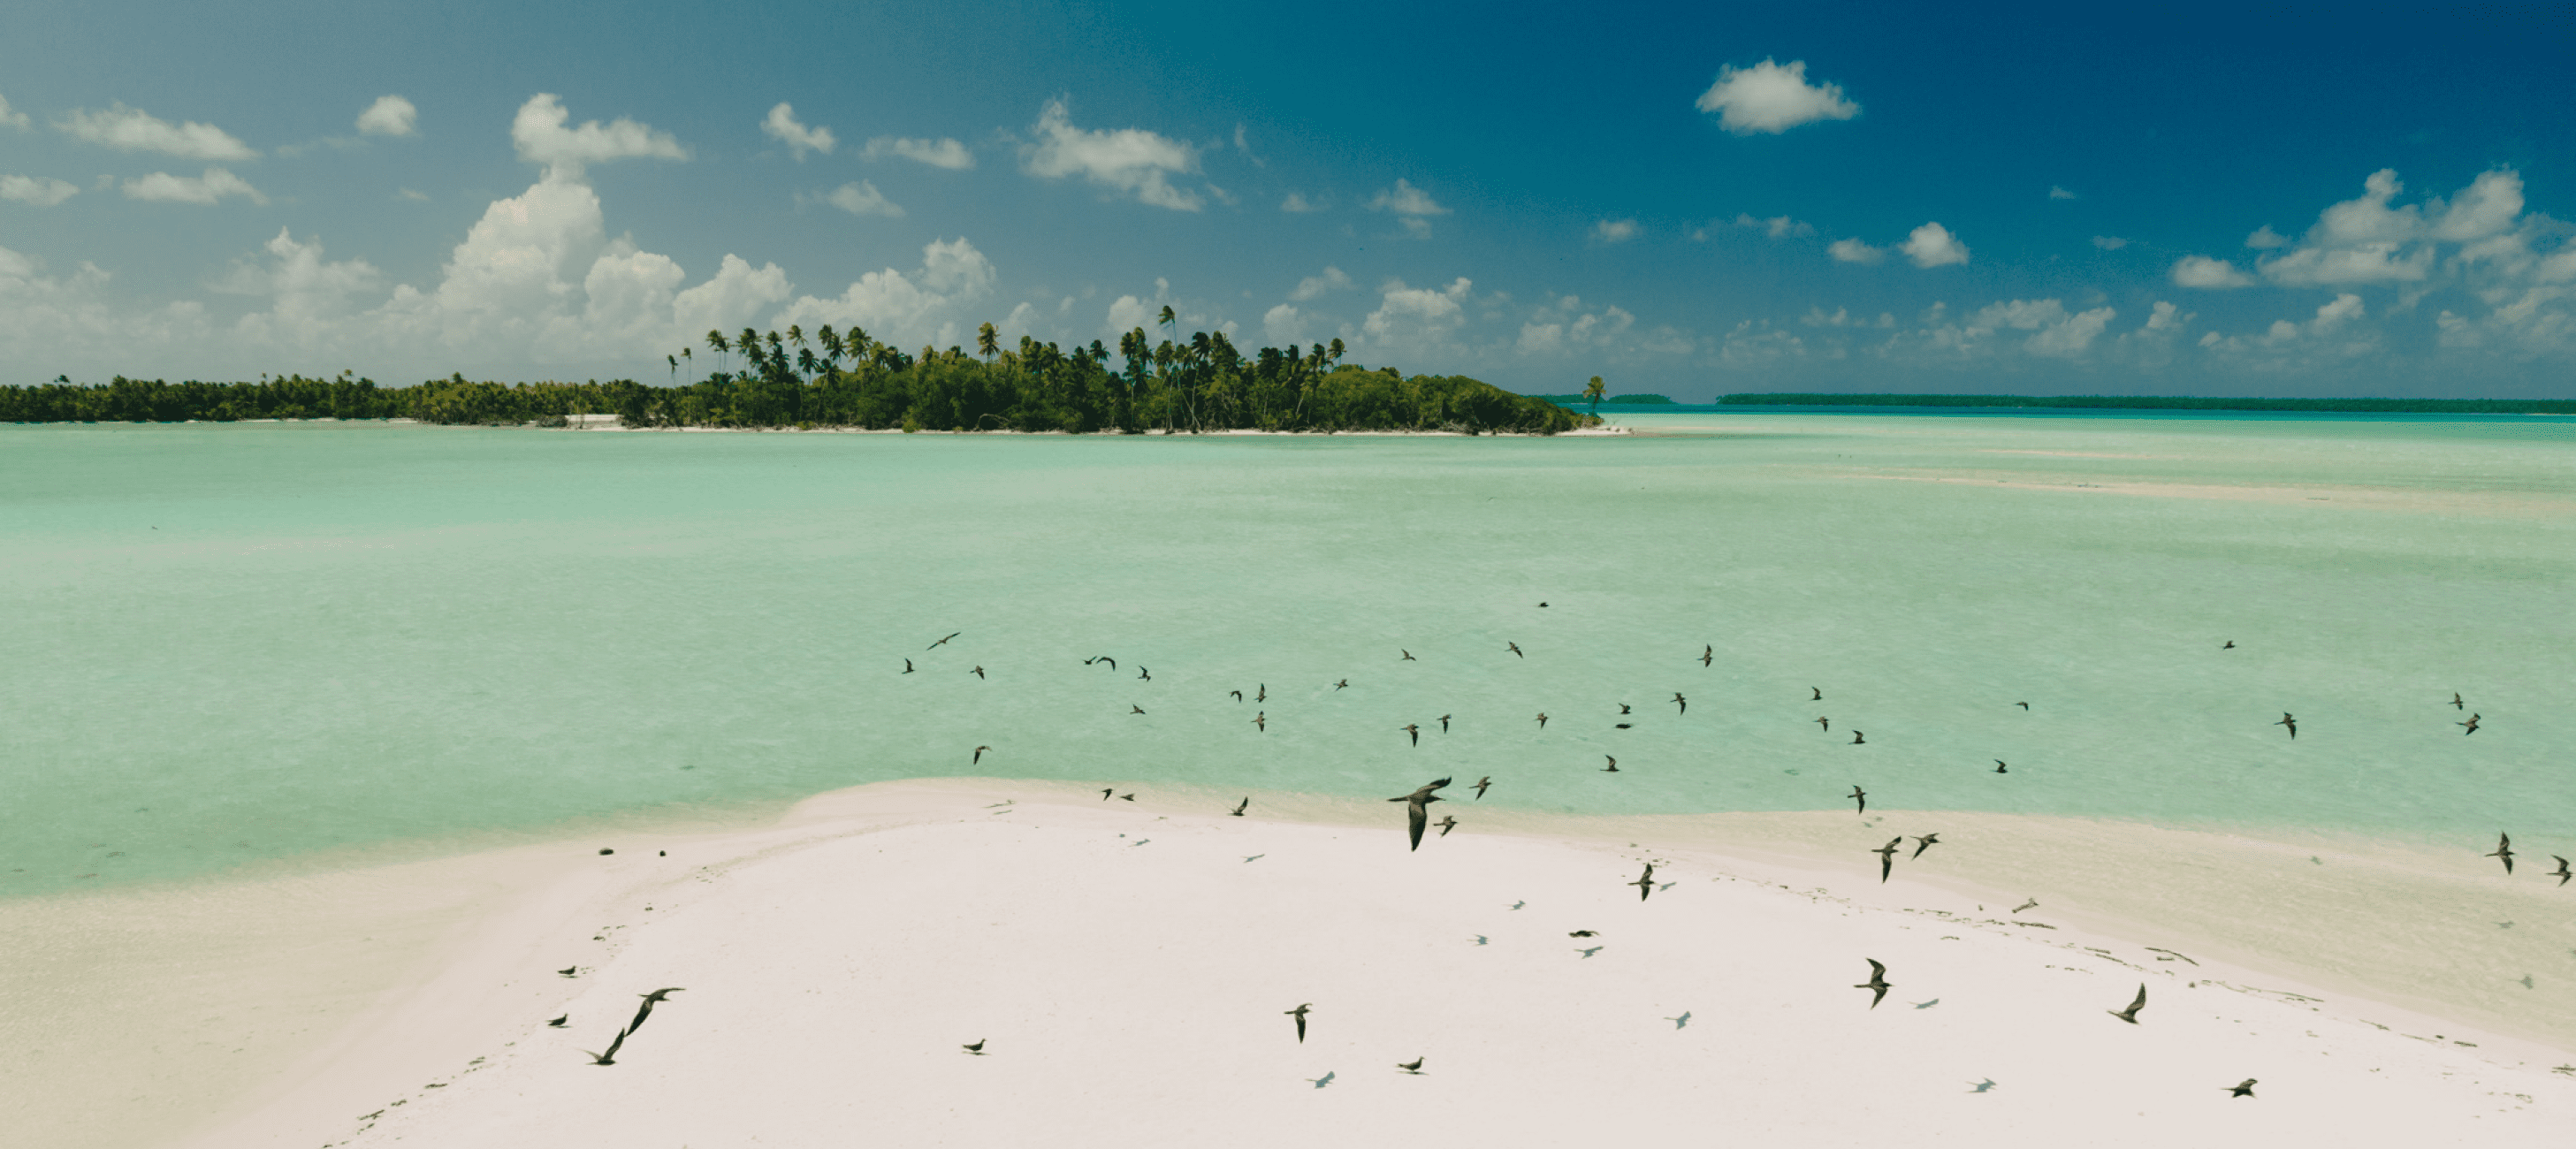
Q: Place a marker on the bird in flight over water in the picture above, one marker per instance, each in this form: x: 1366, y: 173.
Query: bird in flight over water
x: 1144, y: 675
x: 1105, y: 795
x: 1238, y: 695
x: 1824, y: 724
x: 1342, y: 685
x: 1240, y: 807
x: 1612, y: 768
x: 1857, y: 740
x: 2290, y: 722
x: 1481, y: 783
x: 979, y: 672
x: 1447, y: 823
x: 1542, y: 720
x: 2472, y: 724
x: 907, y: 666
x: 1886, y: 858
x: 1682, y: 702
x: 2456, y: 703
x: 1516, y: 649
x: 1819, y: 692
x: 1877, y: 982
x: 979, y: 755
x: 1444, y: 724
x: 1417, y: 808
x: 1707, y: 655
x: 2130, y: 1014
x: 1261, y: 722
x: 1113, y: 663
x: 1408, y: 655
x: 944, y: 641
x: 2229, y: 645
x: 1999, y: 767
x: 1132, y: 708
x: 2023, y: 705
x: 1861, y: 796
x: 2504, y: 850
x: 1415, y: 731
x: 2561, y: 873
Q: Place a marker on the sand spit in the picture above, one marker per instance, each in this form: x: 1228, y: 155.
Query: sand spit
x: 1128, y: 965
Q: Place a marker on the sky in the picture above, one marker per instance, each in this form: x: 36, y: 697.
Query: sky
x: 1695, y: 200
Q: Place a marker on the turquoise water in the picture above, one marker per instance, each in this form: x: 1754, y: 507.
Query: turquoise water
x: 228, y: 644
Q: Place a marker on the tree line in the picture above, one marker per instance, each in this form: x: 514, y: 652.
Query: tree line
x: 847, y: 379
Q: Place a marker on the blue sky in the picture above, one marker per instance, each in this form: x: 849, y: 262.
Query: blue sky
x: 2289, y: 200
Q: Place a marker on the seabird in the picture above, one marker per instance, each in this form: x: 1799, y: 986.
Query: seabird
x: 1144, y: 675
x: 1927, y: 1004
x: 2562, y: 872
x: 2023, y: 705
x: 979, y: 755
x: 1682, y: 702
x: 1623, y: 708
x: 610, y: 1057
x: 1106, y: 794
x: 1343, y: 684
x: 1707, y: 655
x: 1133, y: 708
x: 1113, y: 663
x: 1300, y: 1014
x: 1261, y: 721
x: 2130, y: 1014
x: 944, y: 641
x: 2504, y: 850
x: 2243, y: 1088
x: 1417, y: 809
x: 1444, y: 724
x: 2290, y: 722
x: 1480, y: 940
x: 1612, y: 768
x: 1877, y: 981
x: 977, y: 1049
x: 646, y: 1010
x: 1126, y: 797
x: 1408, y: 655
x: 2472, y: 725
x: 907, y: 666
x: 1238, y: 695
x: 2230, y: 644
x: 1263, y: 694
x: 1243, y: 805
x: 1886, y: 858
x: 1819, y: 692
x: 558, y: 1023
x: 1447, y: 823
x: 979, y: 672
x: 2456, y: 704
x: 1516, y: 647
x: 1857, y: 740
x: 1926, y: 841
x: 2025, y: 905
x: 1999, y: 767
x: 1645, y: 882
x: 569, y: 970
x: 1517, y: 905
x: 1256, y: 857
x: 1481, y: 783
x: 1824, y: 724
x: 1982, y: 1086
x: 1861, y: 796
x: 1415, y: 731
x: 1542, y: 720
x: 1414, y: 1066
x: 1583, y: 934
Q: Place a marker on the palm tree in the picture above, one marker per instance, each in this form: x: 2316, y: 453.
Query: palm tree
x: 1593, y: 391
x: 693, y: 361
x: 716, y: 342
x: 988, y: 342
x: 674, y: 361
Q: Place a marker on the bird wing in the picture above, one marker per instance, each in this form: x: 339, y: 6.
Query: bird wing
x: 1415, y: 814
x: 1876, y: 971
x: 2141, y: 1003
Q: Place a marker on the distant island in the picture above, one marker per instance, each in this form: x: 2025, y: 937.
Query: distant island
x: 2167, y: 403
x: 847, y: 379
x: 1581, y: 400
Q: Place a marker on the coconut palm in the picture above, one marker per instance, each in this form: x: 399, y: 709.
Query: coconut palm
x: 988, y: 342
x: 1593, y: 391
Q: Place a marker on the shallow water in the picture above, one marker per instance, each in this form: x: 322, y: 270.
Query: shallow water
x: 234, y: 644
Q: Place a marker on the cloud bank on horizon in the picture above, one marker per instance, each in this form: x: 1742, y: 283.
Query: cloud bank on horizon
x: 1101, y: 219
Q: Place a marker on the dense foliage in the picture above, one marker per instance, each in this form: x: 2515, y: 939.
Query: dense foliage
x: 2171, y: 403
x: 850, y: 380
x: 1580, y: 398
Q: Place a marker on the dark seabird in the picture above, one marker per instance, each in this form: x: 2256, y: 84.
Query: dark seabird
x: 1415, y: 731
x: 1126, y: 797
x: 2561, y: 873
x: 2026, y: 905
x: 1263, y: 694
x: 1583, y: 934
x: 1517, y: 905
x: 2290, y: 722
x: 2243, y: 1088
x: 944, y: 641
x: 979, y: 672
x: 1105, y: 795
x: 646, y: 1010
x: 1824, y: 724
x: 2504, y: 850
x: 1516, y: 648
x: 1261, y: 721
x: 1481, y: 940
x: 1113, y: 663
x: 1877, y: 981
x: 1542, y: 720
x: 2023, y: 705
x: 2456, y: 704
x: 558, y: 1023
x: 1999, y: 767
x: 1682, y: 702
x: 1144, y: 675
x: 2472, y: 725
x: 1857, y: 740
x: 1414, y: 1066
x: 1481, y: 783
x: 977, y: 1049
x: 1623, y: 708
x: 979, y: 755
x: 1238, y: 695
x: 907, y: 666
x: 569, y: 970
x: 1342, y: 685
x: 610, y: 1057
x: 1300, y: 1014
x: 1242, y: 806
x: 1623, y: 725
x: 1135, y: 709
x: 1886, y: 858
x: 1819, y: 692
x: 2130, y: 1014
x: 1707, y: 655
x: 1645, y: 882
x: 1612, y: 768
x: 1417, y: 808
x: 1444, y: 724
x: 1447, y: 823
x: 2229, y: 645
x: 1861, y: 796
x: 1408, y: 655
x: 1927, y: 840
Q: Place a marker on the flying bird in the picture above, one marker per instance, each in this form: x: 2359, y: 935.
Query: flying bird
x: 646, y: 1010
x: 2456, y: 704
x: 2504, y: 850
x: 2130, y: 1014
x: 1414, y: 1066
x: 1242, y: 806
x: 1481, y: 783
x: 944, y: 641
x: 1444, y: 724
x: 1819, y: 694
x: 1857, y: 740
x: 2472, y: 725
x: 1263, y: 694
x: 558, y: 1023
x: 1323, y: 1081
x: 1927, y: 840
x: 1342, y: 685
x: 1238, y: 695
x: 610, y: 1057
x: 1680, y: 1022
x: 1447, y: 823
x: 2023, y: 705
x: 1645, y: 882
x: 1542, y: 720
x: 1106, y: 794
x: 1417, y: 809
x: 2561, y: 873
x: 1886, y: 858
x: 1824, y: 724
x: 2243, y: 1088
x: 1143, y: 674
x: 1682, y: 702
x: 907, y: 666
x: 2290, y: 722
x: 1113, y: 663
x: 1415, y: 731
x: 1517, y: 905
x: 1612, y: 768
x: 1300, y: 1014
x: 1860, y: 796
x: 977, y: 1049
x: 1877, y: 981
x: 1132, y: 708
x: 1261, y: 722
x: 979, y: 672
x: 1408, y: 655
x: 1126, y: 797
x: 1516, y: 647
x: 1999, y: 767
x: 1982, y: 1086
x: 1707, y: 655
x: 2025, y: 905
x: 1623, y: 708
x: 979, y: 755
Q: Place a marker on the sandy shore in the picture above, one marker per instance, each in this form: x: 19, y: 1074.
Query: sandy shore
x: 1128, y: 967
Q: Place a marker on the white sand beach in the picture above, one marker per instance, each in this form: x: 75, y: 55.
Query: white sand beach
x: 1128, y: 965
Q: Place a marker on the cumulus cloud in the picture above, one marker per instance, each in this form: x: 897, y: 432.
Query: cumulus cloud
x: 1848, y: 250
x: 1315, y: 285
x: 1615, y: 230
x: 863, y: 198
x: 1566, y: 325
x: 1131, y: 161
x: 924, y: 306
x: 2265, y: 239
x: 939, y: 153
x: 782, y: 126
x: 539, y: 133
x: 1283, y: 326
x: 1417, y: 317
x: 309, y: 295
x: 2362, y: 240
x: 1412, y: 205
x: 2109, y: 242
x: 1297, y: 203
x: 2166, y: 317
x: 388, y: 116
x: 1770, y: 98
x: 135, y: 130
x: 1932, y: 245
x: 1776, y: 227
x: 2208, y: 274
x: 208, y: 188
x: 41, y: 191
x: 10, y: 119
x: 2056, y: 192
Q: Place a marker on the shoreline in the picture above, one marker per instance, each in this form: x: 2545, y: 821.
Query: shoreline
x: 356, y: 986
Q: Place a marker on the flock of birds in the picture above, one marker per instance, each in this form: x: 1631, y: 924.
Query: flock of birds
x: 1418, y: 819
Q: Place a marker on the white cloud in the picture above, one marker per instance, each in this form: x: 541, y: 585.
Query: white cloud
x: 1769, y: 98
x: 939, y: 153
x: 898, y: 308
x: 1854, y: 251
x: 10, y: 119
x: 407, y: 193
x: 2109, y: 242
x: 2167, y: 317
x: 1412, y: 206
x: 310, y: 295
x: 863, y: 198
x: 781, y: 125
x: 1415, y: 318
x: 1564, y: 324
x: 42, y: 191
x: 2208, y: 274
x: 1127, y: 313
x: 1776, y: 227
x: 539, y: 133
x: 1314, y: 285
x: 388, y: 116
x: 1615, y: 230
x: 1129, y: 160
x: 134, y: 130
x: 2361, y: 240
x: 1932, y: 245
x: 2056, y: 192
x: 2070, y: 337
x: 1297, y: 203
x: 2265, y: 239
x: 1283, y: 326
x: 2487, y: 207
x: 208, y: 188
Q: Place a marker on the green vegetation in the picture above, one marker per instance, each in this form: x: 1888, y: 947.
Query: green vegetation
x: 1585, y: 397
x: 2171, y: 403
x: 850, y: 380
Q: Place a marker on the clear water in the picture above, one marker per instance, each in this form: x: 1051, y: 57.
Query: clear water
x: 228, y: 644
